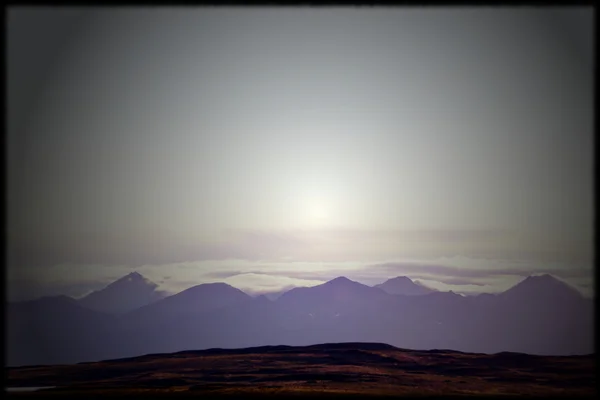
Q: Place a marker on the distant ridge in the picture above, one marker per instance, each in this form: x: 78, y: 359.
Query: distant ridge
x: 197, y: 299
x: 404, y: 286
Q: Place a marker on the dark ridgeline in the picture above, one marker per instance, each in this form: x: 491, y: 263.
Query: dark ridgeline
x: 540, y: 315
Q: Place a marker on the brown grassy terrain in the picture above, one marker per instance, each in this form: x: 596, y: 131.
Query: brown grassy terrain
x: 355, y: 368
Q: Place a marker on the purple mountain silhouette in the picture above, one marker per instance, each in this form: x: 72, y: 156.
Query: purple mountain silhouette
x: 338, y: 292
x: 125, y: 294
x: 337, y: 310
x: 404, y: 285
x: 192, y: 301
x: 189, y: 319
x: 540, y: 315
x: 544, y: 287
x: 57, y: 329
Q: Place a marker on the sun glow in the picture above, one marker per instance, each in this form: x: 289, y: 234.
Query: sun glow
x: 318, y: 213
x: 318, y: 210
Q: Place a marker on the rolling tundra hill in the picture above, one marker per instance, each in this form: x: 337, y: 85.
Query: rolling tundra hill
x: 330, y: 368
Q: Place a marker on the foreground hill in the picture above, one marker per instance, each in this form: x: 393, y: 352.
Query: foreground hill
x: 342, y: 368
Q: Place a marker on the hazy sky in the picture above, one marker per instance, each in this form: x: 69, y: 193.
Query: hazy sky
x: 276, y: 147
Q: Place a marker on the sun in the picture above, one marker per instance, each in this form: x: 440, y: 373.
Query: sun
x: 318, y: 211
x: 315, y: 205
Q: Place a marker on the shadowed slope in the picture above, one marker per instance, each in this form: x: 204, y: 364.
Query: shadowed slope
x: 57, y: 329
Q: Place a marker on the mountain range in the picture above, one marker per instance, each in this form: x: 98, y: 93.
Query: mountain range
x: 130, y: 317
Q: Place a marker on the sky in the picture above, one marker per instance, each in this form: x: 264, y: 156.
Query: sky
x: 278, y: 147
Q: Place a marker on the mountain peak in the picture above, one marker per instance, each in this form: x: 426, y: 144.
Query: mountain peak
x: 213, y: 288
x: 193, y: 300
x: 214, y: 285
x: 340, y: 280
x: 405, y: 286
x: 132, y: 277
x: 400, y: 279
x: 544, y: 284
x: 125, y: 294
x: 544, y: 279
